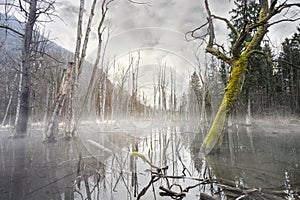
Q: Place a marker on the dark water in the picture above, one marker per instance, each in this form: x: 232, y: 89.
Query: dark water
x: 253, y: 163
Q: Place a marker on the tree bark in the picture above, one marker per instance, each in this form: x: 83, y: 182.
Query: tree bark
x: 70, y: 118
x: 9, y: 101
x: 238, y: 62
x: 52, y: 128
x: 214, y: 137
x: 22, y: 120
x: 101, y: 28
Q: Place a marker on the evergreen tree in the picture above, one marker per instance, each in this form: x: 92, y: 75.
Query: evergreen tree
x: 195, y: 86
x: 288, y: 72
x: 245, y: 12
x: 259, y: 73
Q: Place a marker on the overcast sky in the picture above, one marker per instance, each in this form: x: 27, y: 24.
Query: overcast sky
x: 161, y: 25
x: 156, y: 30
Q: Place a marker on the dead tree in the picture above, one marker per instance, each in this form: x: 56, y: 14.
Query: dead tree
x: 52, y: 128
x: 32, y: 12
x: 23, y: 107
x: 133, y: 101
x: 163, y: 87
x: 155, y: 89
x: 99, y: 55
x: 72, y: 120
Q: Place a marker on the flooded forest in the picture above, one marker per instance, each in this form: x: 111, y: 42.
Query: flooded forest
x: 113, y: 100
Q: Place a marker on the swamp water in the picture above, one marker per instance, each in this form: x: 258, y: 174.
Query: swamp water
x: 252, y: 163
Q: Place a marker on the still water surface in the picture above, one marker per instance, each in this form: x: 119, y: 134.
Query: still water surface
x: 253, y: 163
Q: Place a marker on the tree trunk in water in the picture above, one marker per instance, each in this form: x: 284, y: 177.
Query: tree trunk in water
x: 248, y: 114
x: 22, y: 120
x: 214, y: 137
x: 19, y: 96
x: 238, y: 62
x: 52, y: 128
x: 70, y: 118
x: 9, y: 101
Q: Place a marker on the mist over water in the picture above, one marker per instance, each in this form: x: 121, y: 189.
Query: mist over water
x: 257, y: 162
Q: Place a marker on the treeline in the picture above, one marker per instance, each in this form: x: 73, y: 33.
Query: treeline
x: 271, y: 87
x: 271, y: 82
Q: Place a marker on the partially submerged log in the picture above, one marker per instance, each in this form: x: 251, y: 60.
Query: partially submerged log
x: 99, y: 146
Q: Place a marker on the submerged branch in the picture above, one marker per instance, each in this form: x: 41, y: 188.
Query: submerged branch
x: 145, y: 189
x: 141, y: 3
x: 135, y: 153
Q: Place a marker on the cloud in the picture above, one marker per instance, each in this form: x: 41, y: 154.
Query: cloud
x: 161, y: 25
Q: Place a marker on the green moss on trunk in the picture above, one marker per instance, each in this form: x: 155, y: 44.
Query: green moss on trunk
x: 214, y: 136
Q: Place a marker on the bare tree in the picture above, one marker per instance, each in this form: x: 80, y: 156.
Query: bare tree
x: 52, y: 128
x: 133, y: 101
x: 99, y: 55
x: 155, y: 89
x: 76, y: 68
x: 28, y: 50
x: 23, y: 105
x: 9, y: 101
x: 121, y: 77
x: 238, y: 57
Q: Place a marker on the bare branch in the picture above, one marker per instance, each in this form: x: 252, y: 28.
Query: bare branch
x: 273, y: 10
x: 211, y: 31
x: 11, y: 29
x: 86, y: 38
x: 22, y: 9
x: 48, y: 55
x: 289, y: 63
x: 219, y: 55
x: 264, y: 16
x: 284, y: 20
x: 79, y: 33
x: 230, y: 25
x: 193, y: 32
x: 50, y: 6
x: 141, y: 3
x: 284, y: 6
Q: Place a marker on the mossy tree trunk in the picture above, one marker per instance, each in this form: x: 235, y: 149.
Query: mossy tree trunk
x: 238, y: 58
x: 214, y: 137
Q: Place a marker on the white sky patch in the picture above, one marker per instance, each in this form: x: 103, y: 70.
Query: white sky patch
x: 152, y: 60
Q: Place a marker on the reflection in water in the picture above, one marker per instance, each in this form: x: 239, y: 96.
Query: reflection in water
x: 162, y: 162
x: 261, y: 162
x: 19, y: 174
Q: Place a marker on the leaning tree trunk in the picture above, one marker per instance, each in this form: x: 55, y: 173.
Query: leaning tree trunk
x: 52, y: 128
x: 238, y: 62
x: 214, y: 137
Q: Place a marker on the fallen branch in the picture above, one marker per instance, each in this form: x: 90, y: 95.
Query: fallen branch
x: 169, y: 192
x: 95, y: 144
x: 144, y: 190
x: 135, y: 153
